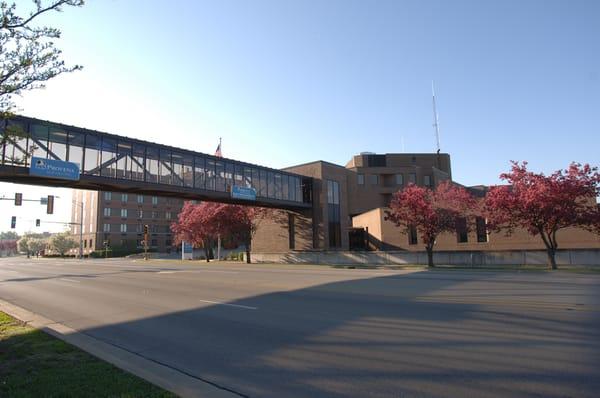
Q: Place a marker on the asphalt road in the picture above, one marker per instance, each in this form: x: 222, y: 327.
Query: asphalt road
x: 307, y: 331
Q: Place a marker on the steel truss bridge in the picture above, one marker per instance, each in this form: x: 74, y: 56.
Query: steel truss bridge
x: 115, y: 163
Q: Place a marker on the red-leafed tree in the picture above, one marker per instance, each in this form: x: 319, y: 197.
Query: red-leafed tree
x: 431, y: 212
x: 200, y: 224
x: 543, y: 205
x: 196, y: 224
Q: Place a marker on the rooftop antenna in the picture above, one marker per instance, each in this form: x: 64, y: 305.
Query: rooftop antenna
x: 435, y: 120
x: 437, y: 128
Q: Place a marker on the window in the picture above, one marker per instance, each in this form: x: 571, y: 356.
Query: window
x: 124, y: 197
x: 123, y: 228
x: 412, y: 235
x: 374, y: 179
x: 85, y: 244
x: 333, y: 214
x: 91, y: 243
x: 462, y: 235
x: 107, y: 212
x: 140, y: 213
x: 168, y: 215
x: 140, y: 199
x: 360, y: 179
x: 107, y: 195
x: 427, y: 181
x: 412, y: 178
x: 123, y: 213
x: 155, y: 200
x: 106, y: 228
x: 482, y: 235
x: 399, y: 179
x: 154, y: 242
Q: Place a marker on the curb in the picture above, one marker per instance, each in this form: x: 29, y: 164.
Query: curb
x: 163, y: 376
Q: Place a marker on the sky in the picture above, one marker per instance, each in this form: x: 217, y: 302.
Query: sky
x: 288, y: 82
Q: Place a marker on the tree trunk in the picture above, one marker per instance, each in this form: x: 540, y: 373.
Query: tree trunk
x: 247, y: 245
x: 206, y: 253
x: 551, y: 258
x: 429, y: 256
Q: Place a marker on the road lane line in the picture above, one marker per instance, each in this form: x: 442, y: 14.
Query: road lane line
x: 69, y: 280
x: 166, y: 272
x: 230, y: 305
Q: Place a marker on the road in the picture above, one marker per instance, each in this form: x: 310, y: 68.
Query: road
x: 309, y: 331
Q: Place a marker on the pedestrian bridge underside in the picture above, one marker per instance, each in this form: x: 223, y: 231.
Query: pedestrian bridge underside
x: 109, y: 162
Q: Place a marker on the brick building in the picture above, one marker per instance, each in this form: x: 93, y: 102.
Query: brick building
x: 118, y: 220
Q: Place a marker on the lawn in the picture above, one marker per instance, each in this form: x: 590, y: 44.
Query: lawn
x: 35, y: 364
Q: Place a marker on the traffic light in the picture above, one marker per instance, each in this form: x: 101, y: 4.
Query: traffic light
x: 37, y: 222
x: 18, y: 199
x: 50, y: 205
x: 146, y: 229
x: 13, y: 222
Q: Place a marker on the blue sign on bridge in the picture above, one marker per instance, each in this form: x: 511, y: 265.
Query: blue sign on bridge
x: 54, y: 169
x: 244, y: 193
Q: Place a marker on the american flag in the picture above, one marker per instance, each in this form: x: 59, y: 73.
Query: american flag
x: 218, y: 151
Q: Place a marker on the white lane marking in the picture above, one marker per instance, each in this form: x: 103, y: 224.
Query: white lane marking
x: 166, y: 272
x: 210, y: 270
x: 69, y: 280
x: 230, y: 305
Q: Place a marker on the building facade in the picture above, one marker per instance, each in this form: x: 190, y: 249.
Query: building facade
x: 349, y: 204
x: 116, y: 220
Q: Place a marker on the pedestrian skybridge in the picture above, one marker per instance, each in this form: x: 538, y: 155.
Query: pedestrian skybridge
x: 110, y: 162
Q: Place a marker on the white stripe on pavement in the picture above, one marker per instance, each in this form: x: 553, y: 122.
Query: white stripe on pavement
x: 230, y: 305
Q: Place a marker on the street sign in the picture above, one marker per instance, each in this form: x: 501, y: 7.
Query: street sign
x: 52, y: 168
x: 187, y: 251
x: 243, y: 193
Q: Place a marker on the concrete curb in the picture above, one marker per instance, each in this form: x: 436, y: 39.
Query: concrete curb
x: 163, y: 376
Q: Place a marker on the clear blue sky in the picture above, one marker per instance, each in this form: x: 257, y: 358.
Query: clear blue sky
x: 514, y: 79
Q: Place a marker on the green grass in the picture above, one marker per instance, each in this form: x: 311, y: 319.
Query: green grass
x: 35, y: 364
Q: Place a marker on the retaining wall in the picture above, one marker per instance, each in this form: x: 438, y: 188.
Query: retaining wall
x: 465, y: 258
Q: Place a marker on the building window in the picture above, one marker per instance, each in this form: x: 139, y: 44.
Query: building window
x: 482, y: 233
x: 140, y: 214
x: 154, y: 243
x: 374, y: 179
x: 123, y: 228
x: 399, y: 179
x: 427, y: 181
x: 140, y: 199
x: 333, y: 214
x: 412, y: 178
x: 106, y: 228
x: 91, y: 243
x: 168, y: 242
x: 123, y: 213
x: 462, y: 235
x: 107, y: 212
x: 155, y: 200
x: 168, y: 215
x: 85, y: 244
x: 360, y: 179
x: 412, y: 235
x: 124, y: 197
x: 107, y: 195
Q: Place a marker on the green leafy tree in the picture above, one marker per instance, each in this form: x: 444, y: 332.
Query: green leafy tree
x: 36, y: 245
x: 28, y: 56
x: 23, y: 244
x: 62, y: 243
x: 9, y: 235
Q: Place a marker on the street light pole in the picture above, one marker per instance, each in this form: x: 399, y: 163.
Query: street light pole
x: 81, y: 232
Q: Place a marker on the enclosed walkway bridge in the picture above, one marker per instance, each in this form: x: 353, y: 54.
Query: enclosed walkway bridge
x: 109, y: 162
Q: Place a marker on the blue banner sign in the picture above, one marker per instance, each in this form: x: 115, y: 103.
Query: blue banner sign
x: 54, y: 169
x: 187, y: 247
x: 243, y: 193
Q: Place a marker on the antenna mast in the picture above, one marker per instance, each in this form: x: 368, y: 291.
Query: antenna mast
x: 435, y: 120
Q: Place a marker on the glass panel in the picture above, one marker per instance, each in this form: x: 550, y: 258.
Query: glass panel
x: 228, y: 176
x: 151, y: 164
x: 15, y: 142
x: 199, y: 173
x: 92, y: 154
x: 124, y: 150
x: 270, y: 184
x: 256, y: 180
x: 284, y: 187
x: 220, y: 176
x: 239, y: 176
x: 263, y: 183
x: 278, y: 186
x: 210, y: 174
x: 247, y: 177
x: 76, y: 142
x: 39, y: 140
x: 292, y: 188
x: 109, y: 157
x: 177, y: 167
x: 188, y: 170
x: 164, y: 170
x: 137, y: 164
x: 299, y: 197
x: 57, y: 144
